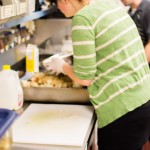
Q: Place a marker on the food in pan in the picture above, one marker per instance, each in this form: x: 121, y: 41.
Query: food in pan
x: 46, y: 80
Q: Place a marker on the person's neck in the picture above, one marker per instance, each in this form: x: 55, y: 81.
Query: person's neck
x: 78, y: 5
x: 136, y: 4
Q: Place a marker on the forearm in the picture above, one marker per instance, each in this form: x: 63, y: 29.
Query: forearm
x: 147, y: 51
x: 68, y: 70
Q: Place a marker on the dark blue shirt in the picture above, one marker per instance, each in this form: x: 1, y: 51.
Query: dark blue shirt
x: 141, y: 18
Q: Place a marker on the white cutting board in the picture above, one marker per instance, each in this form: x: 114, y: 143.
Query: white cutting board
x: 54, y: 124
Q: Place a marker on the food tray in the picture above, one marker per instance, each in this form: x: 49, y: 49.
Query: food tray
x: 58, y: 95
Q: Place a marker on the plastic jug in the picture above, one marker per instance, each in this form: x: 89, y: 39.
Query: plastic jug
x: 11, y: 93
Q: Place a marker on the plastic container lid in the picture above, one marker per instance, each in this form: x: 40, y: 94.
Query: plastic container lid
x: 6, y: 67
x: 7, y: 117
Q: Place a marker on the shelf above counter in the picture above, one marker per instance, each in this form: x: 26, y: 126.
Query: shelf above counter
x: 13, y: 21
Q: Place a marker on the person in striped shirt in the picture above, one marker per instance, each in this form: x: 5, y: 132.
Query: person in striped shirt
x: 109, y: 58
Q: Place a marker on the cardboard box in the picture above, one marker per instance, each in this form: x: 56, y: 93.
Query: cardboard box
x: 6, y: 9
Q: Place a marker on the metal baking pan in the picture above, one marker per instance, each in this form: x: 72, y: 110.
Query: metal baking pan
x: 58, y: 95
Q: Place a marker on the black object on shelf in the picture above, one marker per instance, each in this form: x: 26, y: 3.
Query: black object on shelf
x: 7, y: 117
x: 57, y: 14
x: 20, y: 65
x: 39, y: 4
x: 1, y: 3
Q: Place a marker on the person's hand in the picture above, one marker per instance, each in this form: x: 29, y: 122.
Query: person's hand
x: 54, y: 64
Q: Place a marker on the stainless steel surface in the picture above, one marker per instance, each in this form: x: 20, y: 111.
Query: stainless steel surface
x: 46, y: 28
x: 59, y: 95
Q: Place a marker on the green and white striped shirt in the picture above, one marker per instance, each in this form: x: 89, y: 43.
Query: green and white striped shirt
x: 108, y: 50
